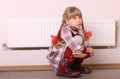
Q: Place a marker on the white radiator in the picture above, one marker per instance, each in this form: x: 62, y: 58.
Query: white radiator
x: 22, y: 33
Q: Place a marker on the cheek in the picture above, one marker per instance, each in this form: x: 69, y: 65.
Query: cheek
x: 81, y: 22
x: 71, y: 23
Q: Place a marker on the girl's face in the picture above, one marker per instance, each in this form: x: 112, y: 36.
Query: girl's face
x: 75, y: 22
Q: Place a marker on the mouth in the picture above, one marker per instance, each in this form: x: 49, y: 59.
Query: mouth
x: 79, y: 25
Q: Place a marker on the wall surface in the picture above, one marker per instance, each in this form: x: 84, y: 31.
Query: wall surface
x: 35, y: 9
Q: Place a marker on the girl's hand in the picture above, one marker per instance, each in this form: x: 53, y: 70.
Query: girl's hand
x: 90, y: 50
x: 79, y: 54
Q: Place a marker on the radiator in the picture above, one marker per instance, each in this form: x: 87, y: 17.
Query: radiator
x: 22, y: 33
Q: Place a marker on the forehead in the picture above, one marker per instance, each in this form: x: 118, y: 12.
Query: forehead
x: 74, y: 14
x: 75, y: 17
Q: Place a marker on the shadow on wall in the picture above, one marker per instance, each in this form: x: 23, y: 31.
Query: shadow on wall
x: 118, y: 33
x: 118, y: 23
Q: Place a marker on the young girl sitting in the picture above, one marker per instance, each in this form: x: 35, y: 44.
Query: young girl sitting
x: 68, y: 51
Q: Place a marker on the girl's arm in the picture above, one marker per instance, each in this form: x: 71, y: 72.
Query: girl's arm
x: 70, y: 40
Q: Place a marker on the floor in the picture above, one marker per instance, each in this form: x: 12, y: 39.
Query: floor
x: 49, y: 74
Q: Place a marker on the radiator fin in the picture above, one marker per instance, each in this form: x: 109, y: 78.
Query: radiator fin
x: 36, y: 33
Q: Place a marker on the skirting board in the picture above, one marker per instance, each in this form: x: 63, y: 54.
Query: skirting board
x: 48, y: 67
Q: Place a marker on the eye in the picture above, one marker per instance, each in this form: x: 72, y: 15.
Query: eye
x: 74, y: 17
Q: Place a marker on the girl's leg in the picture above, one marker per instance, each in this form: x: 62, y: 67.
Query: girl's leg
x: 77, y: 66
x: 64, y: 68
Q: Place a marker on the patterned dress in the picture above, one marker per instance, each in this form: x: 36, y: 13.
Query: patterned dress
x: 63, y: 54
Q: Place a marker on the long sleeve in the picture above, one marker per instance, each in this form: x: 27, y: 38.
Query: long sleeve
x: 69, y: 40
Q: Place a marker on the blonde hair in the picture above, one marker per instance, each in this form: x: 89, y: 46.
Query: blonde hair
x: 69, y: 13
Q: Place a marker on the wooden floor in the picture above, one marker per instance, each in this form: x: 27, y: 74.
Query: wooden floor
x: 112, y: 73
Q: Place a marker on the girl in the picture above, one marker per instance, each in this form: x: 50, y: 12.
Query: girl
x: 68, y: 51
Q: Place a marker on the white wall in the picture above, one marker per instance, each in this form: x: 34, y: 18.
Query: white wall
x: 35, y: 9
